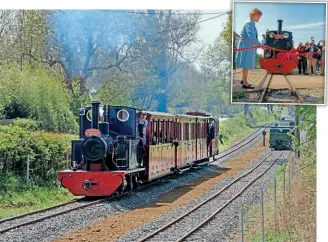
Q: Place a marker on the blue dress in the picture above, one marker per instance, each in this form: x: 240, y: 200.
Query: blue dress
x: 246, y: 58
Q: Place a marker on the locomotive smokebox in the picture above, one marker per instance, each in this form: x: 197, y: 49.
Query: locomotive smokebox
x: 95, y: 114
x: 280, y: 26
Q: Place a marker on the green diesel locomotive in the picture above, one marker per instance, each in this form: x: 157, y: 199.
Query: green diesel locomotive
x: 279, y: 136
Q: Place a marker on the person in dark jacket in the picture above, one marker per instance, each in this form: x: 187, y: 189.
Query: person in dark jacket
x: 142, y: 126
x: 210, y: 135
x: 302, y: 62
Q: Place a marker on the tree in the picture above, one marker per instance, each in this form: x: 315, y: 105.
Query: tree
x: 174, y: 38
x: 226, y: 34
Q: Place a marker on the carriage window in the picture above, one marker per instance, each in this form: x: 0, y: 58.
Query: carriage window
x: 161, y: 132
x: 154, y: 136
x: 171, y: 132
x: 186, y: 131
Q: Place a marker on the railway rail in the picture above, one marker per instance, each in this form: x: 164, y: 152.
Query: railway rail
x: 11, y: 223
x: 43, y: 214
x: 294, y: 95
x: 242, y: 143
x: 250, y: 177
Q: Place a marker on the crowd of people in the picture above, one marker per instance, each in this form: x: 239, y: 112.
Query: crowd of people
x: 311, y: 57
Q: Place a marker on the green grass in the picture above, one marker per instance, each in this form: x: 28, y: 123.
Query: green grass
x: 236, y: 137
x: 237, y: 134
x: 271, y: 236
x: 254, y: 210
x: 18, y: 202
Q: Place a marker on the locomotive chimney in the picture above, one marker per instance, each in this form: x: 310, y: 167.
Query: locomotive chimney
x: 280, y: 26
x: 95, y: 114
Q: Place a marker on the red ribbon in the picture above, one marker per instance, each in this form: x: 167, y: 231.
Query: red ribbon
x: 282, y: 55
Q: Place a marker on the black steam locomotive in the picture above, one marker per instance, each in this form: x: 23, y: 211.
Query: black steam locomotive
x: 279, y: 39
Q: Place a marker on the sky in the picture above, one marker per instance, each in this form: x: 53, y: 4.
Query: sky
x: 210, y: 29
x: 305, y: 20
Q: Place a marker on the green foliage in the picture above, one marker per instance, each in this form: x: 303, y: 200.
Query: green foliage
x: 226, y: 34
x: 15, y: 109
x: 257, y: 61
x: 26, y: 123
x: 241, y: 125
x: 238, y: 95
x: 40, y: 93
x: 272, y: 236
x: 116, y: 94
x: 47, y: 154
x: 260, y: 116
x: 308, y: 122
x: 16, y: 202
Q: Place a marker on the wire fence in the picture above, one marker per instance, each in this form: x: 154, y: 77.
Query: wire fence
x: 34, y: 169
x: 282, y: 188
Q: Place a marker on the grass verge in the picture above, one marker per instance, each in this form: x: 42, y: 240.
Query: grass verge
x: 295, y: 215
x: 31, y: 199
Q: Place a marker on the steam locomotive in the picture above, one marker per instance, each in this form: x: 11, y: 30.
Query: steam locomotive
x: 277, y: 61
x: 279, y: 39
x: 104, y: 158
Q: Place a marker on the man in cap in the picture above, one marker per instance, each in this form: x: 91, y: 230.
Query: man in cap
x: 142, y: 126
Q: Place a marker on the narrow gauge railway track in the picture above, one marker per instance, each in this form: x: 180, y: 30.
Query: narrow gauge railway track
x: 294, y: 94
x: 40, y: 215
x: 242, y: 143
x: 227, y: 194
x: 11, y: 223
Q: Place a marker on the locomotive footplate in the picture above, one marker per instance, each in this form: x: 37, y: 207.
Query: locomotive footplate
x: 278, y: 66
x: 91, y: 183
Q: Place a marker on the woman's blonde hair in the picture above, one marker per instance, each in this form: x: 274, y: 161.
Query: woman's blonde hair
x: 255, y: 11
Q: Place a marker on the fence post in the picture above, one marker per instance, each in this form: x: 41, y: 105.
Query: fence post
x: 241, y: 225
x: 28, y: 169
x: 275, y: 200
x: 284, y: 184
x: 293, y: 160
x: 289, y: 177
x: 262, y: 214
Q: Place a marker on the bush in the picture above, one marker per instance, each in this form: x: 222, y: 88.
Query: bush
x: 241, y: 123
x: 34, y: 93
x: 26, y: 124
x: 15, y: 109
x: 47, y: 152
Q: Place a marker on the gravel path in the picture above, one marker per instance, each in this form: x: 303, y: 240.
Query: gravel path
x: 222, y: 226
x: 53, y: 228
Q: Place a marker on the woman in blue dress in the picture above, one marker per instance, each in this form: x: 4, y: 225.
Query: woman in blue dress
x: 246, y: 59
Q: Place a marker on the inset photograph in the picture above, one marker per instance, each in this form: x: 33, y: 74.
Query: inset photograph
x: 278, y: 52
